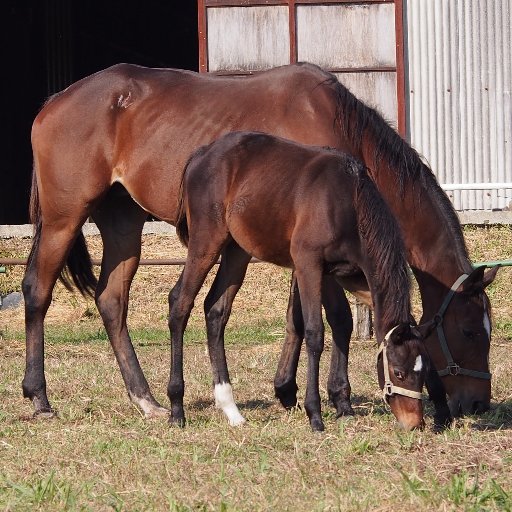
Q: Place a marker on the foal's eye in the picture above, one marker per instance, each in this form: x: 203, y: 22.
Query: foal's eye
x: 468, y: 333
x: 399, y: 374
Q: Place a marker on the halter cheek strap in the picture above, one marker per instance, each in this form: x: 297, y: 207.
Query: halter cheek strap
x: 389, y: 387
x: 452, y: 368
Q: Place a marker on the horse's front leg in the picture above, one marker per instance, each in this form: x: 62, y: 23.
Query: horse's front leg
x: 285, y: 383
x: 309, y: 279
x: 120, y: 221
x: 181, y: 302
x: 339, y: 317
x: 437, y: 394
x: 217, y: 308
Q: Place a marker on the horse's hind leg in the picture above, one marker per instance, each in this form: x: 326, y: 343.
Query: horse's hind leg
x: 285, y: 385
x: 51, y: 247
x: 309, y: 279
x: 339, y: 317
x: 120, y: 221
x: 217, y: 308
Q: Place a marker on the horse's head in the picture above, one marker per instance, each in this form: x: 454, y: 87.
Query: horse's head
x: 402, y: 367
x: 465, y: 327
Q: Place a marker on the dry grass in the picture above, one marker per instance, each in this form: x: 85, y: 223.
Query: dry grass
x: 99, y: 454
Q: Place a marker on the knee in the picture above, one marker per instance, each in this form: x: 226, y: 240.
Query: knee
x: 34, y: 303
x: 215, y: 313
x: 315, y: 340
x: 108, y: 306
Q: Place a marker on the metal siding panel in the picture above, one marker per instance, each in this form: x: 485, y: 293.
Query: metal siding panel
x: 460, y: 113
x: 340, y: 36
x: 247, y: 38
x: 376, y: 89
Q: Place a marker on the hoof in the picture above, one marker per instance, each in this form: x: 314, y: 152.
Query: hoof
x: 45, y: 414
x: 344, y: 410
x: 236, y: 422
x: 441, y: 424
x: 317, y: 425
x: 157, y: 412
x: 177, y: 422
x: 287, y: 395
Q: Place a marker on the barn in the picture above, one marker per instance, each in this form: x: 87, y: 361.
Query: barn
x: 438, y: 70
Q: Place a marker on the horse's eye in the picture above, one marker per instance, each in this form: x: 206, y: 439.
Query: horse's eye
x: 399, y: 374
x: 468, y: 333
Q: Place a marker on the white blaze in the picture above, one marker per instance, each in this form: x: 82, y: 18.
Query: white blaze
x: 418, y: 365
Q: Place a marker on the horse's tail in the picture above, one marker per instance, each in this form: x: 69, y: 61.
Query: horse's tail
x: 382, y: 240
x: 78, y: 268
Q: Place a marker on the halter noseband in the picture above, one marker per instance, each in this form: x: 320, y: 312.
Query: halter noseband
x: 389, y: 387
x: 452, y: 367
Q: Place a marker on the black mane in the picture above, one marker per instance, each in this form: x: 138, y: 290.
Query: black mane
x: 381, y: 236
x: 356, y: 119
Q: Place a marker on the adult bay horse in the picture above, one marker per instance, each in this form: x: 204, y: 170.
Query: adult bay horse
x: 113, y: 146
x: 311, y: 209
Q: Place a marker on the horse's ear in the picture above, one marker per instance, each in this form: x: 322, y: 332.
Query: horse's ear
x: 490, y: 275
x: 478, y: 280
x: 424, y: 330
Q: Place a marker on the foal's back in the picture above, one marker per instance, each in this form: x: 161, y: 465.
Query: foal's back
x: 273, y: 195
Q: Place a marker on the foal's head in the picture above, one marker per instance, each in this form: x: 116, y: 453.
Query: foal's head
x: 402, y: 374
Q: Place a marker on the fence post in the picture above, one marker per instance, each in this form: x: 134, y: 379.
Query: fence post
x: 363, y: 324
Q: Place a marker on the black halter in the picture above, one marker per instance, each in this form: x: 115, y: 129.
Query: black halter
x: 452, y: 367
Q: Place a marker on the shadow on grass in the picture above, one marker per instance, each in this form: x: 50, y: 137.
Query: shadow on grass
x: 498, y: 418
x: 200, y: 405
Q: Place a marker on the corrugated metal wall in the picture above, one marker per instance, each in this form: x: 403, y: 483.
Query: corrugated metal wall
x: 459, y: 95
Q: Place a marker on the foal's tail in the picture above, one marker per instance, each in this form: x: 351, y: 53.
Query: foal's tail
x: 181, y: 220
x: 78, y: 267
x: 181, y: 212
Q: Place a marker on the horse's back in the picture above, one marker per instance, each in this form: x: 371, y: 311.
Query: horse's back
x: 135, y: 125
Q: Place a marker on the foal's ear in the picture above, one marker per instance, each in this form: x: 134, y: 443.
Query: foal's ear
x: 479, y: 279
x: 401, y: 333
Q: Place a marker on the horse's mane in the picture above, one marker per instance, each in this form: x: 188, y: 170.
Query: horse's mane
x: 381, y: 237
x: 356, y: 119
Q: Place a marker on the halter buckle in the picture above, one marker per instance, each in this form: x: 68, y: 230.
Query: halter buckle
x: 453, y: 369
x: 388, y: 389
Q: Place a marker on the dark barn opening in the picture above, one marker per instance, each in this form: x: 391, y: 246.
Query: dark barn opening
x: 48, y: 44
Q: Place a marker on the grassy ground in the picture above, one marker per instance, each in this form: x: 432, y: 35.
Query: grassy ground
x: 100, y: 454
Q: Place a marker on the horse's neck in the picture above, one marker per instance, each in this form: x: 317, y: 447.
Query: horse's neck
x: 435, y: 251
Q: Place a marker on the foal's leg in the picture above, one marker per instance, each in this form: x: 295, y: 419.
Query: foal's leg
x: 181, y: 300
x: 285, y: 384
x: 120, y: 221
x: 309, y: 279
x: 217, y: 308
x: 47, y: 260
x: 339, y: 317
